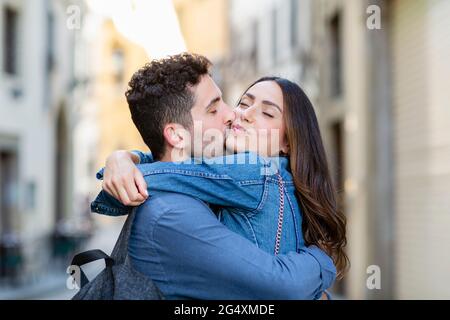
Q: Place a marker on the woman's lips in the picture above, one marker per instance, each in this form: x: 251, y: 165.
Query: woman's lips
x: 237, y: 129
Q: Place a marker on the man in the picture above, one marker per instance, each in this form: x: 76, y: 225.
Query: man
x: 177, y: 240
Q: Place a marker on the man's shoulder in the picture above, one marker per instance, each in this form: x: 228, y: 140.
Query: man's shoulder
x: 175, y: 204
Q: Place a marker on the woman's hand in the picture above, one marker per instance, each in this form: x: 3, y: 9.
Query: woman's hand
x: 123, y: 180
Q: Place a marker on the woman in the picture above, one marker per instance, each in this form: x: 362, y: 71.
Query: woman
x: 275, y: 188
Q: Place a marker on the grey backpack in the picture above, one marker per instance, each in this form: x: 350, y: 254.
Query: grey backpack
x: 119, y: 280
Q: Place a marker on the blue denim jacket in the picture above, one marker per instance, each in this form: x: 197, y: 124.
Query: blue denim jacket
x: 245, y: 186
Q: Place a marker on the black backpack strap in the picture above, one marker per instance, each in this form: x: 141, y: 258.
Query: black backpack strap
x: 120, y: 250
x: 87, y: 257
x: 118, y: 255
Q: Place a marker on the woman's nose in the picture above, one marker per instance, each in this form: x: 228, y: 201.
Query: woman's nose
x: 248, y: 114
x: 236, y: 114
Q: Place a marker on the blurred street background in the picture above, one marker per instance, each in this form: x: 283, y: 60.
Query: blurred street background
x: 377, y: 72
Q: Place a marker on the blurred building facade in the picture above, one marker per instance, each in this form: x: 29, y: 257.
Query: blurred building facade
x: 36, y: 117
x: 204, y: 25
x: 380, y: 98
x: 116, y: 60
x: 385, y: 115
x: 205, y: 29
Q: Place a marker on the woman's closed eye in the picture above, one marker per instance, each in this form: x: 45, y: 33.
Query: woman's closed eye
x: 268, y: 114
x: 243, y: 105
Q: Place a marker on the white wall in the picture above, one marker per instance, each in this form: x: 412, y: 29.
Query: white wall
x: 421, y: 44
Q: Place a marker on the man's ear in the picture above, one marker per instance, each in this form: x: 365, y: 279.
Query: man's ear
x: 176, y: 136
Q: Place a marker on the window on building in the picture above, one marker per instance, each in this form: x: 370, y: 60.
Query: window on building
x: 337, y: 130
x: 274, y: 35
x: 335, y: 32
x: 337, y: 157
x: 50, y: 41
x: 10, y: 250
x: 8, y: 191
x: 255, y: 44
x: 294, y: 24
x: 118, y: 65
x: 10, y: 40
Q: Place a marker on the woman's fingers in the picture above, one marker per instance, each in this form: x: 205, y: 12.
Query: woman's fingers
x: 123, y: 196
x: 129, y: 194
x: 123, y: 180
x: 110, y: 189
x: 141, y: 184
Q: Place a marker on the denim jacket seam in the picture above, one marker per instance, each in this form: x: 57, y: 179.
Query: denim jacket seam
x: 249, y: 224
x: 188, y: 173
x: 250, y: 213
x: 250, y: 182
x: 273, y: 179
x: 263, y: 198
x: 155, y: 250
x: 294, y: 217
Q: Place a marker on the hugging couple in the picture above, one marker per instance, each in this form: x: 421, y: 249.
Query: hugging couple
x: 250, y: 214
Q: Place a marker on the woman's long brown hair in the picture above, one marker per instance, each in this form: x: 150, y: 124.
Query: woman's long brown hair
x: 324, y: 225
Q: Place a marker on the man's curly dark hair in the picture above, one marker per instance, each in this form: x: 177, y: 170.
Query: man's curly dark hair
x: 159, y: 93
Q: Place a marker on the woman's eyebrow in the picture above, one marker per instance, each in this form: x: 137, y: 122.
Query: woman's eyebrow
x: 249, y: 95
x: 267, y: 102
x: 270, y: 103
